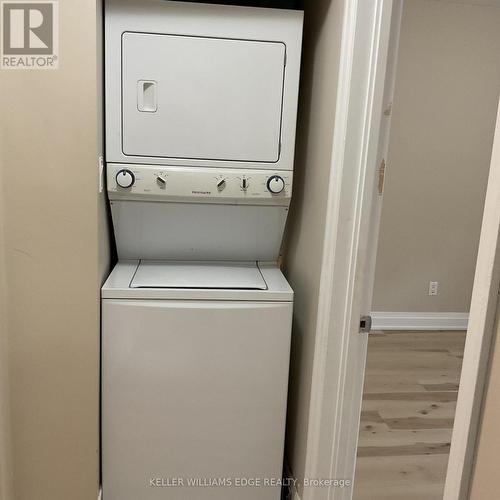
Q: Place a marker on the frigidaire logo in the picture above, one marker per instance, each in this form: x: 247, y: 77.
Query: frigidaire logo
x: 29, y: 35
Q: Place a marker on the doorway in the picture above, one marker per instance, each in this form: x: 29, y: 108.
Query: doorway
x: 443, y: 121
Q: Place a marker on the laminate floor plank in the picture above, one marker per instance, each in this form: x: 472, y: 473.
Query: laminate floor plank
x: 442, y: 397
x: 401, y: 478
x: 382, y: 437
x: 422, y: 408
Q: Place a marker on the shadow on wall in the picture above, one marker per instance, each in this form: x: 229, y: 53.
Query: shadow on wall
x: 304, y: 234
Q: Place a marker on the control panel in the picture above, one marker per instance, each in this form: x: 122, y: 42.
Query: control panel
x: 194, y: 184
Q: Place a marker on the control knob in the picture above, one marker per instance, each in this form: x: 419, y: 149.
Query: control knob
x: 275, y: 184
x: 125, y: 178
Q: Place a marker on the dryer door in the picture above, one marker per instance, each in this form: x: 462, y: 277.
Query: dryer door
x: 201, y: 98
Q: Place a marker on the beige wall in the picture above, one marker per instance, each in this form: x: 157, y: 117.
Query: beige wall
x: 485, y: 483
x: 447, y: 87
x: 52, y: 218
x: 305, y: 231
x: 5, y: 445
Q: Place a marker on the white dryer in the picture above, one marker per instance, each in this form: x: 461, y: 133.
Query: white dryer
x: 194, y: 380
x: 201, y: 84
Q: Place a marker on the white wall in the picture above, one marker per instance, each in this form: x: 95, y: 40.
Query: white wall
x: 447, y: 87
x: 305, y: 231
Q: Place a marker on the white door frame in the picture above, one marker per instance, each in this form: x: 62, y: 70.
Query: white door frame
x: 479, y: 339
x: 340, y: 351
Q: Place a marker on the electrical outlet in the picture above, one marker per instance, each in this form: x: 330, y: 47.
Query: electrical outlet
x: 433, y: 287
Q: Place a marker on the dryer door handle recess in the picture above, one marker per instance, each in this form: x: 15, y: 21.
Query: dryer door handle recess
x: 147, y: 96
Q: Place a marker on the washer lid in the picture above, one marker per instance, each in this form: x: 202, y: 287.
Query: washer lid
x: 213, y: 275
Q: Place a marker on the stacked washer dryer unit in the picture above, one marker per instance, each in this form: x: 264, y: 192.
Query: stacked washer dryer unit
x: 196, y: 316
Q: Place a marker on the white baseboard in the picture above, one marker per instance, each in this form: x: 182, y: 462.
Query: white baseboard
x: 386, y: 320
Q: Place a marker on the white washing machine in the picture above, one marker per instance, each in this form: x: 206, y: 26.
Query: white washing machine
x: 194, y: 380
x: 201, y: 104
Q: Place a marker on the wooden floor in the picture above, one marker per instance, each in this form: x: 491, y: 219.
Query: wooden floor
x: 409, y: 404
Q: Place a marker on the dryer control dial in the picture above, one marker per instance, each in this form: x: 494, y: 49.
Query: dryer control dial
x: 125, y: 178
x: 275, y: 184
